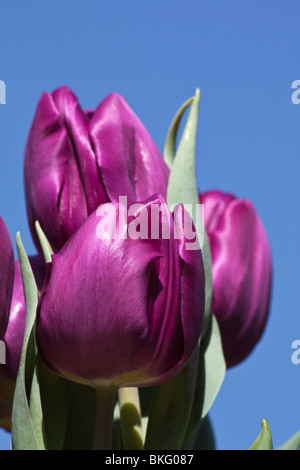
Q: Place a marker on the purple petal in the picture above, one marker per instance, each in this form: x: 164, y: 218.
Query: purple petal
x: 130, y: 162
x: 61, y: 176
x: 16, y: 326
x: 6, y: 276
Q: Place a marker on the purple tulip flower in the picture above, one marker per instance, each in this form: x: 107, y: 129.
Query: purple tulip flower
x: 241, y: 270
x: 6, y: 276
x: 6, y: 289
x: 123, y: 310
x: 13, y: 338
x: 76, y: 160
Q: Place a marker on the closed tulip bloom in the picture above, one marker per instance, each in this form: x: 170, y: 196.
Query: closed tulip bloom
x: 76, y: 160
x: 14, y: 338
x: 123, y: 310
x: 241, y: 270
x: 6, y: 276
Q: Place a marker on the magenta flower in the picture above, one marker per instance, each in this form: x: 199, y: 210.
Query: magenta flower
x: 6, y: 276
x: 242, y: 272
x: 14, y: 338
x: 16, y: 325
x: 6, y: 288
x: 127, y: 310
x: 76, y: 160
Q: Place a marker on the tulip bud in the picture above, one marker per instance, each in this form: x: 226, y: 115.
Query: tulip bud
x: 6, y: 288
x: 123, y: 308
x: 241, y: 271
x: 6, y: 276
x: 76, y: 160
x: 14, y: 338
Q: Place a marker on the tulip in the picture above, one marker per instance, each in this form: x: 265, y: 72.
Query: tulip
x: 14, y: 338
x: 6, y: 276
x: 76, y: 160
x: 6, y: 288
x: 241, y: 272
x: 122, y: 310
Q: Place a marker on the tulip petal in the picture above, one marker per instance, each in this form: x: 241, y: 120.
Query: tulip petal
x: 15, y: 331
x: 6, y: 276
x: 61, y: 178
x: 124, y: 321
x: 129, y: 161
x: 173, y: 336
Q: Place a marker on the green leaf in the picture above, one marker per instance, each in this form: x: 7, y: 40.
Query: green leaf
x: 205, y: 439
x: 182, y: 187
x: 292, y: 444
x: 264, y: 439
x: 25, y: 434
x: 81, y: 417
x: 54, y: 404
x: 170, y: 145
x: 45, y: 245
x: 213, y: 365
x: 171, y: 408
x: 36, y: 408
x: 211, y: 373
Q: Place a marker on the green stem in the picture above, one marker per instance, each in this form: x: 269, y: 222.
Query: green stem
x: 130, y: 414
x: 106, y: 399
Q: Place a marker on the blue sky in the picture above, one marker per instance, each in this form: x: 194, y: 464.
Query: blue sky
x: 244, y: 57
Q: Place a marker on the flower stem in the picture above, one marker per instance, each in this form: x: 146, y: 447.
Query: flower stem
x: 106, y: 399
x: 130, y: 414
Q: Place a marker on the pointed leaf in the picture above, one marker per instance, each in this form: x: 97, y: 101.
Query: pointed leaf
x: 211, y: 373
x: 45, y: 245
x: 264, y: 439
x: 36, y: 411
x: 24, y: 436
x: 292, y: 444
x: 170, y: 145
x: 182, y: 188
x: 214, y: 365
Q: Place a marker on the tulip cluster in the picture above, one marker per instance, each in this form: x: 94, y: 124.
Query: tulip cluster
x: 124, y: 309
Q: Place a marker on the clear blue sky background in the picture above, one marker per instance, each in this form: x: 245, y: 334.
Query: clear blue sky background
x: 244, y: 56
